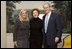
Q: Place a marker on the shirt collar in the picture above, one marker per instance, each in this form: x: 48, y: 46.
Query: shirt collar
x: 49, y: 13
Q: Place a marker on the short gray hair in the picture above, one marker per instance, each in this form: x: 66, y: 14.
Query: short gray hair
x: 47, y: 4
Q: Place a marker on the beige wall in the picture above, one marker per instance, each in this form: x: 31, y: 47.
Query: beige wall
x: 3, y: 24
x: 32, y: 4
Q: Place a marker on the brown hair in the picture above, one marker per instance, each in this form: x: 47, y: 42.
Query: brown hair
x: 34, y: 10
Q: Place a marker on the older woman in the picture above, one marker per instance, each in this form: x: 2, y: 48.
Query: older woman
x: 35, y: 30
x: 21, y: 30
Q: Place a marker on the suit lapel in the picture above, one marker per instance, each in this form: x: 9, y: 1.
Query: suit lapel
x: 51, y: 17
x: 44, y: 21
x: 44, y: 17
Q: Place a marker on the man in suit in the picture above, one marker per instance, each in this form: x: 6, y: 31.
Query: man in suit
x: 52, y: 27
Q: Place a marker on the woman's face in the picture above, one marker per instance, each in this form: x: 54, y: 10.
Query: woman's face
x: 35, y: 14
x: 24, y: 14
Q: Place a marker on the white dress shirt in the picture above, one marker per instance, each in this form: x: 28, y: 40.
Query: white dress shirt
x: 46, y: 21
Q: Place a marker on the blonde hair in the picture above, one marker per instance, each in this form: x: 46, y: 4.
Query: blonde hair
x: 21, y: 18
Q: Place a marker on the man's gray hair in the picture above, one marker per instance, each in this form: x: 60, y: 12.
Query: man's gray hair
x: 47, y: 4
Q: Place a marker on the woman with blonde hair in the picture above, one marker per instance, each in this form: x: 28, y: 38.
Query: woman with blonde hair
x: 21, y: 30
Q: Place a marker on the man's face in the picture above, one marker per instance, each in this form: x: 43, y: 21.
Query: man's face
x: 46, y: 8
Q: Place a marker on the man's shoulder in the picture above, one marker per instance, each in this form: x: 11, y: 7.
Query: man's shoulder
x: 55, y: 13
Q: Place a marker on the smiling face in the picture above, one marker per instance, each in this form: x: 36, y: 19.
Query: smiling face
x: 46, y: 8
x: 35, y: 13
x: 24, y: 13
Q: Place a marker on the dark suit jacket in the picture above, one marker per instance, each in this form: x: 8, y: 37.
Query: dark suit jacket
x: 54, y: 29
